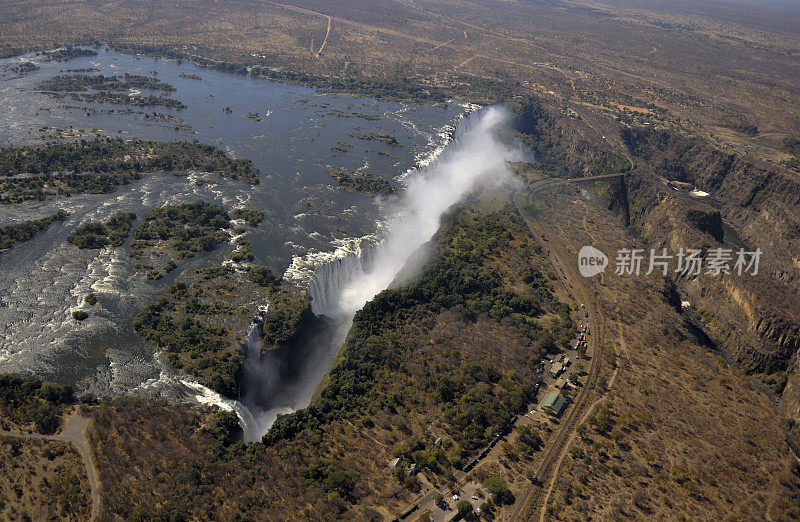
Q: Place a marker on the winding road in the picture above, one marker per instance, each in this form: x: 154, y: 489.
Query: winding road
x: 74, y: 431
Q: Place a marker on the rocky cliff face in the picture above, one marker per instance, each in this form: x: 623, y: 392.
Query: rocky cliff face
x: 753, y: 204
x: 754, y: 319
x: 760, y: 201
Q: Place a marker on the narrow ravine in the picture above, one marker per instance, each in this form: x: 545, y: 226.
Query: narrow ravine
x: 475, y: 158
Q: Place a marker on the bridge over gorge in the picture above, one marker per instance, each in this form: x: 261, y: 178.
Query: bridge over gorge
x: 621, y: 187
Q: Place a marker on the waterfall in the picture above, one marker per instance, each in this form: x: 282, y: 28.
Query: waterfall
x: 343, y: 285
x: 260, y: 381
x: 333, y: 277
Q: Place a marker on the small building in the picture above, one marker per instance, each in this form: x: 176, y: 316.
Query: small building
x: 413, y: 469
x: 554, y: 403
x: 566, y: 362
x: 560, y: 382
x: 393, y: 463
x: 556, y: 369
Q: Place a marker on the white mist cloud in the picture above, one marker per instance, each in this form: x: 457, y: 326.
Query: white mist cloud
x: 475, y: 156
x: 343, y: 286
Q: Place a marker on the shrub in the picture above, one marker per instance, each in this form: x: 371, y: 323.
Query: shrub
x: 464, y: 508
x: 497, y: 487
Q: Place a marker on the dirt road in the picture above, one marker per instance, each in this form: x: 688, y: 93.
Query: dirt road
x: 327, y: 33
x: 74, y: 431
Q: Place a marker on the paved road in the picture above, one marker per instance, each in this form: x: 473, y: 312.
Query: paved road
x: 74, y: 431
x: 573, y: 282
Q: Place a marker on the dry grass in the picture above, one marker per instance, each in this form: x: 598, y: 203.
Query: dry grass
x: 699, y: 62
x: 690, y: 436
x: 42, y: 480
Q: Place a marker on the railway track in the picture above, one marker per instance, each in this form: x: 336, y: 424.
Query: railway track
x: 526, y: 505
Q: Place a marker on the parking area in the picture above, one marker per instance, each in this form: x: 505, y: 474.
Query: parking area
x: 446, y: 509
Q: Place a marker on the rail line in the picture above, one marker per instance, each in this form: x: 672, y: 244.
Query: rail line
x: 551, y: 458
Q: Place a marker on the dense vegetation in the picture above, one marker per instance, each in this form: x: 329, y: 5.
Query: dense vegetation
x: 108, y: 89
x: 362, y: 182
x: 191, y: 228
x: 341, y: 114
x: 200, y: 322
x: 27, y: 401
x: 67, y: 53
x: 113, y: 232
x: 26, y: 230
x: 100, y: 166
x: 263, y: 277
x: 379, y: 136
x: 478, y: 399
x: 131, y: 101
x: 250, y: 216
x: 191, y: 345
x: 100, y: 82
x: 284, y: 324
x: 22, y: 68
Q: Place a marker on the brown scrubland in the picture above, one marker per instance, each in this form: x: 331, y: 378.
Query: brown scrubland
x: 697, y: 400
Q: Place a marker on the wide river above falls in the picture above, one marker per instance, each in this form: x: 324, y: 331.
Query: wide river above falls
x: 291, y: 142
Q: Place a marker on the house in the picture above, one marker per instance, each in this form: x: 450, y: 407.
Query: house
x: 554, y: 403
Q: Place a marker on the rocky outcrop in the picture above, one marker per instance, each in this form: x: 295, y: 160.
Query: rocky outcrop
x: 754, y: 319
x: 706, y: 220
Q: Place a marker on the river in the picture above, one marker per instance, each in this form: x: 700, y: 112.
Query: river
x: 309, y: 220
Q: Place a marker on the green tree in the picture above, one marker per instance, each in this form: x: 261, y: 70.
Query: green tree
x: 497, y: 487
x: 464, y: 508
